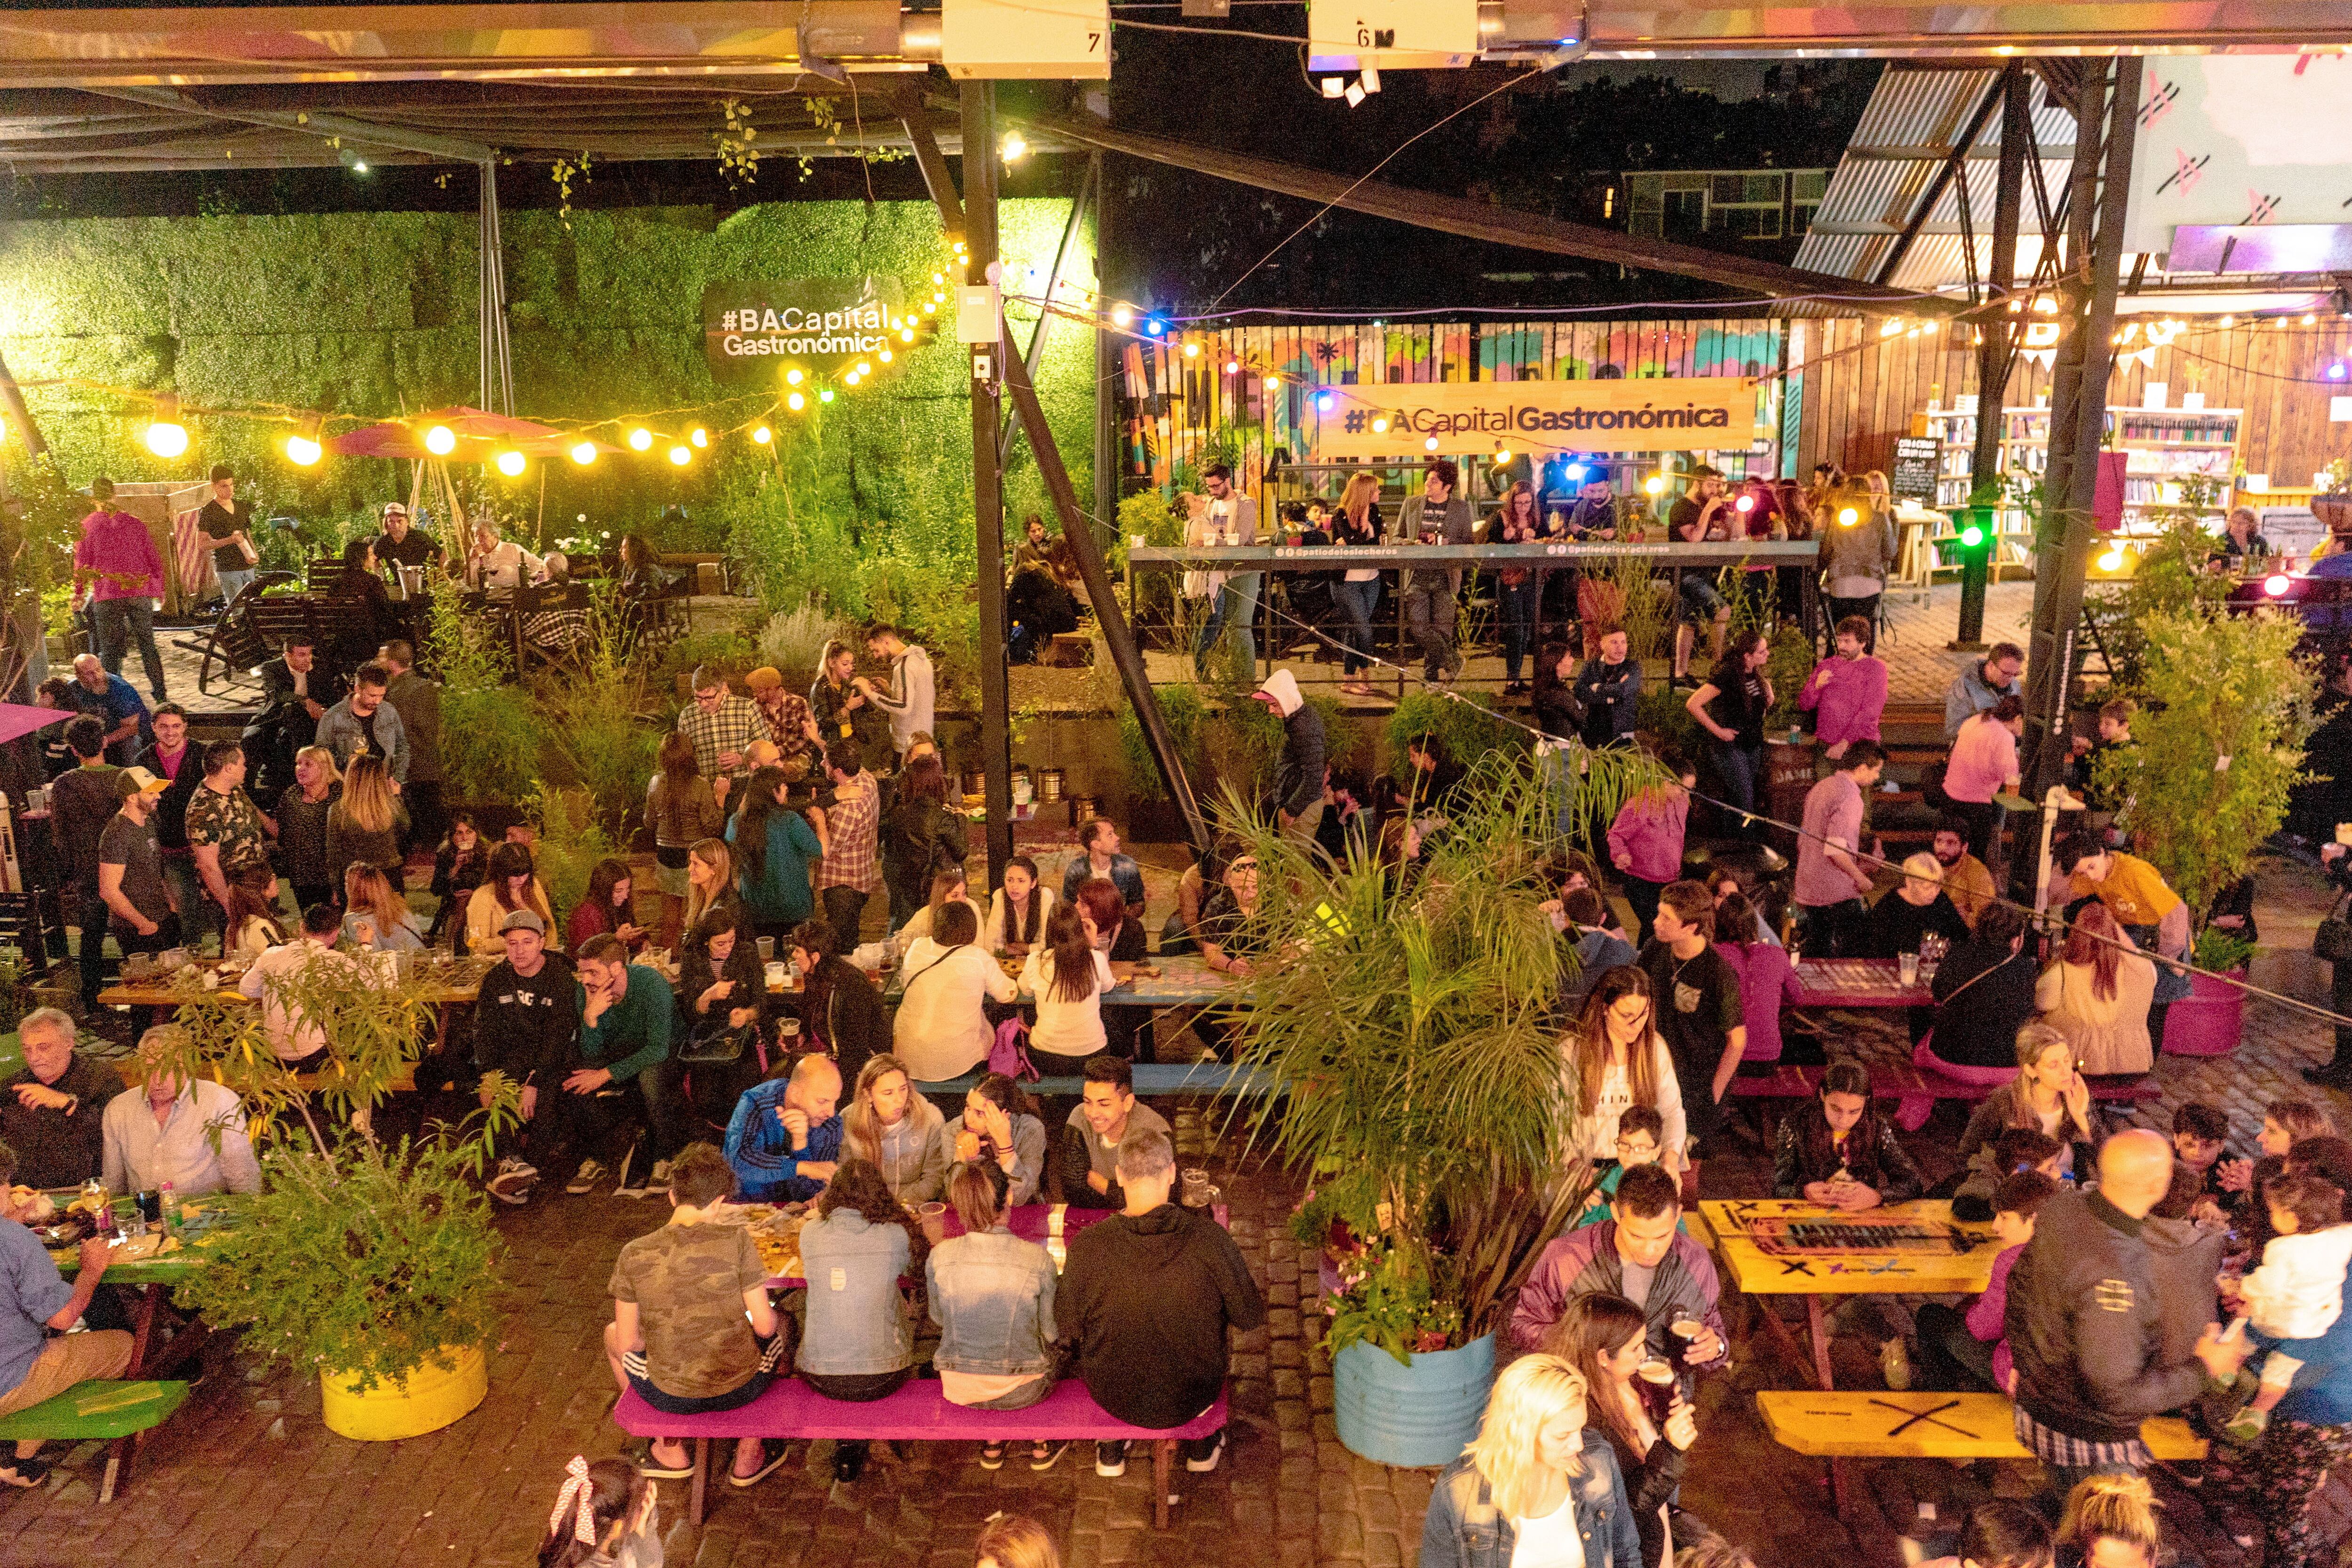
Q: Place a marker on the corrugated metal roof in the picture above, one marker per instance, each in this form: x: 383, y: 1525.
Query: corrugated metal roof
x: 1906, y: 135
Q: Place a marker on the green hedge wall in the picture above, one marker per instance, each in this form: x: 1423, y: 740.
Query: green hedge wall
x: 374, y: 314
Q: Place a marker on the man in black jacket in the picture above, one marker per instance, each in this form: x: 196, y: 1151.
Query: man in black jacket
x: 2084, y: 1327
x: 1298, y: 776
x: 524, y: 1025
x: 1149, y: 1294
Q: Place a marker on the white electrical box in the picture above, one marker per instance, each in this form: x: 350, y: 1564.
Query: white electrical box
x: 978, y: 316
x: 1390, y: 35
x: 1061, y: 40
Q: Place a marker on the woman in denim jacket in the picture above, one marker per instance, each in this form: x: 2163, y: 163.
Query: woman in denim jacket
x: 1539, y: 1488
x: 858, y: 1343
x: 992, y: 1295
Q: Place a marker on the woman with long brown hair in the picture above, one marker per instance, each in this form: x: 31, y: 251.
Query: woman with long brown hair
x: 1607, y: 1338
x: 1516, y: 589
x: 510, y: 886
x: 364, y: 826
x: 858, y: 1345
x: 1069, y: 976
x: 609, y: 906
x: 1615, y: 1058
x: 897, y: 1130
x: 1839, y: 1151
x: 2097, y: 994
x: 1357, y: 521
x: 919, y: 836
x: 681, y: 807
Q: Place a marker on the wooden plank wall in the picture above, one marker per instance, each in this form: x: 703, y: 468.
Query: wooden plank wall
x: 1173, y: 404
x: 1860, y: 389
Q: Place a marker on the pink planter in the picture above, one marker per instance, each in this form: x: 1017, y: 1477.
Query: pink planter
x: 2207, y: 1022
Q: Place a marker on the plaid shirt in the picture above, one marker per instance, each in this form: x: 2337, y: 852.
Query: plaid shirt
x: 852, y: 826
x: 732, y: 728
x: 2055, y: 1448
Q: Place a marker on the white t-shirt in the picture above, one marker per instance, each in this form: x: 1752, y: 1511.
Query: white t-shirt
x: 1615, y: 1097
x: 1550, y: 1542
x: 1064, y: 1028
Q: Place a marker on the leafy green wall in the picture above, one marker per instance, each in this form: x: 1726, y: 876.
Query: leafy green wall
x: 374, y: 314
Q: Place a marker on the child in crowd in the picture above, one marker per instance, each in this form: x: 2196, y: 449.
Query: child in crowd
x: 2200, y: 1139
x: 1962, y: 1351
x: 1999, y: 1534
x: 1600, y: 944
x: 1641, y: 1139
x: 2298, y: 1291
x: 2017, y: 1150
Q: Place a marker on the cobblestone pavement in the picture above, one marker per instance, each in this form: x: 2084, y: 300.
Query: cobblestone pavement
x: 246, y: 1474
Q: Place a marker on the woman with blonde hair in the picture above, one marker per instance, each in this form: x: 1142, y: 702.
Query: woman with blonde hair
x: 302, y: 813
x: 1538, y: 1489
x: 890, y: 1125
x: 1356, y: 520
x: 710, y: 883
x: 2097, y: 993
x: 366, y: 824
x: 2110, y: 1522
x: 2048, y: 1094
x: 1010, y: 1541
x: 1616, y: 1060
x: 1916, y: 910
x: 682, y: 808
x: 376, y: 917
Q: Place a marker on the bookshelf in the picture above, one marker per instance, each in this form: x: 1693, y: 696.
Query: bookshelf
x: 2162, y: 447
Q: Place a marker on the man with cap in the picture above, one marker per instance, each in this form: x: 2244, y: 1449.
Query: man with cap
x: 785, y: 717
x: 141, y: 910
x: 120, y: 573
x: 525, y: 1027
x: 227, y: 524
x: 1298, y: 776
x: 401, y: 544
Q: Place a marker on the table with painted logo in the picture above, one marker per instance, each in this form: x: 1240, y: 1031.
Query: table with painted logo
x: 1859, y: 982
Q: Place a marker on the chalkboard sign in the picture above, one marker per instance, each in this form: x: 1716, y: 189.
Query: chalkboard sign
x: 1915, y: 468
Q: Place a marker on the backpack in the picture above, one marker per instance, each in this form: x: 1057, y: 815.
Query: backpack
x: 1009, y: 1054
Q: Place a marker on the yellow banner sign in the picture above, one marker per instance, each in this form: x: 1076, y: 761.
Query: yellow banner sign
x: 1460, y: 418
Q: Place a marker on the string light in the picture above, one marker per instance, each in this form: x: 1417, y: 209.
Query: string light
x: 1380, y: 425
x: 510, y: 463
x: 1502, y: 455
x: 1274, y: 383
x: 1323, y: 402
x: 681, y: 456
x: 303, y: 447
x: 1233, y: 367
x: 792, y: 376
x: 640, y: 439
x: 864, y: 369
x: 1848, y: 518
x: 1655, y: 484
x: 1192, y: 350
x: 884, y: 355
x: 440, y: 440
x: 1014, y: 147
x: 762, y: 435
x: 905, y: 334
x: 1430, y: 444
x: 824, y: 395
x: 583, y: 453
x: 700, y: 436
x: 1120, y: 315
x: 795, y: 402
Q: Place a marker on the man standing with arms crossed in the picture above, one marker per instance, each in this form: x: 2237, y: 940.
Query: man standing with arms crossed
x: 1436, y: 516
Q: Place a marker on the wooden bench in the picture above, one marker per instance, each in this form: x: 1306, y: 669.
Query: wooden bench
x: 99, y: 1412
x: 918, y: 1413
x: 1915, y: 1089
x: 1925, y: 1425
x: 1150, y: 1078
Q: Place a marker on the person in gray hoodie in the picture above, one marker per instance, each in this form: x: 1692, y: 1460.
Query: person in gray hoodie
x: 1298, y: 776
x: 1436, y: 516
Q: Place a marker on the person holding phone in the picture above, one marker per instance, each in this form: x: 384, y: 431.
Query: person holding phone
x: 2048, y: 1094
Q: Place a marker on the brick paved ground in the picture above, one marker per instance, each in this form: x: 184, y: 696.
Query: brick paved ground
x: 246, y: 1474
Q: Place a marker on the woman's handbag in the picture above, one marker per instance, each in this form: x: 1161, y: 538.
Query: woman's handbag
x: 2333, y: 940
x: 1009, y: 1054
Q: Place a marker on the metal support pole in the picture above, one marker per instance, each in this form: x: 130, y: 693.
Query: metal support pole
x: 989, y: 365
x: 1106, y: 370
x: 498, y: 364
x: 12, y: 398
x: 2078, y: 407
x: 1996, y: 354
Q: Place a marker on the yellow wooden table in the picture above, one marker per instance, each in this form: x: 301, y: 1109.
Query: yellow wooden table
x: 1774, y: 1247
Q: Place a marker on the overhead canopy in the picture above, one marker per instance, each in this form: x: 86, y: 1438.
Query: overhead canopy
x: 479, y: 436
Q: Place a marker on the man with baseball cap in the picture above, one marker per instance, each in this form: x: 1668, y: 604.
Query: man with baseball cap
x: 524, y: 1027
x: 141, y: 912
x: 1299, y: 777
x: 402, y: 545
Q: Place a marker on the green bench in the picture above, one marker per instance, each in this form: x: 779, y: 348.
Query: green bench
x: 99, y: 1412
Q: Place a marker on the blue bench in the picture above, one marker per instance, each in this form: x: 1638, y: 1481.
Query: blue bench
x: 918, y: 1412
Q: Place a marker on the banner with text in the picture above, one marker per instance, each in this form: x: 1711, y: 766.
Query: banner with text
x: 1650, y: 415
x: 751, y: 332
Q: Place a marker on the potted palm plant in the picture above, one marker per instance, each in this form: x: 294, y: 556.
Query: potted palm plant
x: 2217, y: 744
x: 373, y: 1265
x: 1408, y: 1012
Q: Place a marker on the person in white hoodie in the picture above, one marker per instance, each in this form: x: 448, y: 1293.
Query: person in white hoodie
x: 1298, y: 776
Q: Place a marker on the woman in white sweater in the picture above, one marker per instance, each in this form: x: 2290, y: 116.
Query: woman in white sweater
x: 942, y: 1029
x: 1614, y: 1058
x: 947, y: 888
x: 1067, y: 975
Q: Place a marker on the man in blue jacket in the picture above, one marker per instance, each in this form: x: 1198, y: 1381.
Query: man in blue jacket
x: 784, y: 1138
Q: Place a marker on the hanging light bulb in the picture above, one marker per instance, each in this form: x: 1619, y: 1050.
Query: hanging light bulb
x: 510, y: 463
x: 303, y: 447
x: 939, y: 276
x: 792, y: 376
x: 1192, y: 350
x: 1430, y: 444
x: 440, y: 440
x: 1120, y: 315
x: 1014, y: 147
x: 1380, y: 425
x: 1274, y: 383
x: 1655, y: 484
x: 1502, y: 455
x: 1848, y: 518
x: 1323, y: 402
x: 583, y: 452
x: 700, y: 436
x: 762, y: 435
x: 1233, y: 367
x: 2113, y: 561
x: 825, y: 395
x: 884, y: 355
x: 864, y: 369
x: 796, y: 401
x: 681, y: 456
x: 641, y: 439
x: 905, y: 334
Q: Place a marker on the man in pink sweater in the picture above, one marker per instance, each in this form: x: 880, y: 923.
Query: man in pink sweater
x: 1646, y: 841
x: 1847, y: 690
x: 1832, y: 873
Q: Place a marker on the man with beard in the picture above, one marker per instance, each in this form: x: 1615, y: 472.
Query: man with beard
x: 1968, y: 881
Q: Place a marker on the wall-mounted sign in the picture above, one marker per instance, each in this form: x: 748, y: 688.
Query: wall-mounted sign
x: 1683, y: 413
x: 752, y: 331
x: 1390, y: 35
x: 1061, y: 40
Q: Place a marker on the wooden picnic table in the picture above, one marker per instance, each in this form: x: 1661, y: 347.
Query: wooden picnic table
x: 1031, y: 1222
x: 1858, y: 982
x: 1934, y: 1256
x: 153, y: 1351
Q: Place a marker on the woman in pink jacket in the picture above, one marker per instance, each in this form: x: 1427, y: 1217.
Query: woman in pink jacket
x: 1646, y: 841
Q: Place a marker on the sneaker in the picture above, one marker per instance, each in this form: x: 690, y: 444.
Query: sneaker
x: 660, y: 1176
x: 2329, y: 1076
x: 1895, y: 1365
x: 1043, y: 1455
x: 2247, y: 1424
x: 1202, y: 1453
x: 591, y: 1171
x: 514, y: 1182
x: 848, y: 1461
x: 653, y: 1469
x: 1110, y: 1460
x: 773, y: 1451
x: 992, y: 1456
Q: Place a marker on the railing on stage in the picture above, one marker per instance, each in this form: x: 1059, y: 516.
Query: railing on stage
x: 1672, y: 560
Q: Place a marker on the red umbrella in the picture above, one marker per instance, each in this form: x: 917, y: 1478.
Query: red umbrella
x: 479, y: 436
x: 16, y: 719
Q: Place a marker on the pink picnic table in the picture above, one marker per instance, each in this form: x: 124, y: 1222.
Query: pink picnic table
x: 1857, y: 983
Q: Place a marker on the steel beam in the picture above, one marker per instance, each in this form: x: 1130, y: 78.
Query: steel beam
x: 988, y: 368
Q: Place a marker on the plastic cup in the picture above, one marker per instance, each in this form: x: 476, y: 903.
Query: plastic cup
x: 1908, y: 963
x: 767, y: 950
x: 934, y: 1217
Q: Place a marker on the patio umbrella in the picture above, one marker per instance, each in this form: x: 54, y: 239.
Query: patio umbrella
x: 479, y: 435
x: 17, y: 719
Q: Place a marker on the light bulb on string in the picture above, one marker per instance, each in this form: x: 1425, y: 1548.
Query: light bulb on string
x: 1655, y: 484
x: 864, y: 369
x: 1233, y: 367
x: 1324, y: 402
x: 1502, y: 456
x: 792, y: 377
x: 1380, y: 425
x: 1274, y: 383
x: 440, y: 440
x: 1848, y: 518
x: 583, y: 453
x: 700, y: 436
x: 641, y: 439
x: 1192, y: 350
x: 796, y: 401
x: 884, y: 355
x: 824, y: 395
x: 2113, y: 561
x: 681, y: 456
x: 905, y: 334
x: 1120, y: 315
x: 1430, y: 444
x: 762, y: 435
x: 303, y: 447
x: 510, y: 463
